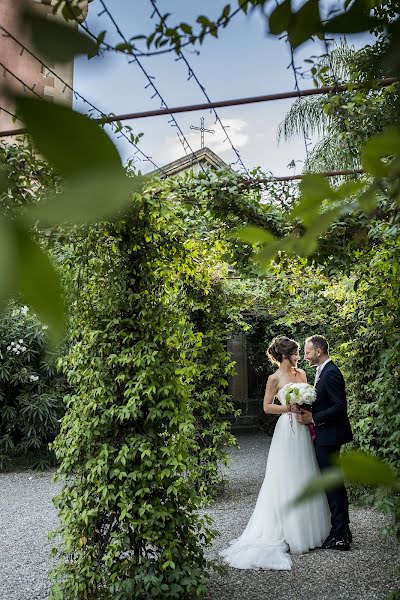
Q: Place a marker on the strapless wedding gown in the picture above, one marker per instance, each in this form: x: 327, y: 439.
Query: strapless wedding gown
x: 274, y: 528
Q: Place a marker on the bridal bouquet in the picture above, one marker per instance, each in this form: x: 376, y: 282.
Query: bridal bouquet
x: 303, y: 395
x: 300, y: 393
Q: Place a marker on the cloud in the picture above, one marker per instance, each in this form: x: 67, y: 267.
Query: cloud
x: 237, y: 130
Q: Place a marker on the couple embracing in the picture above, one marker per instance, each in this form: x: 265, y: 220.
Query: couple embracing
x: 304, y: 443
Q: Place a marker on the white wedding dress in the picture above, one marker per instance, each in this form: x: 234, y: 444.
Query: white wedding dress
x: 274, y: 528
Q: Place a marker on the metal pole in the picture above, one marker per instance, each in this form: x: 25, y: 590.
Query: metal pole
x: 236, y: 102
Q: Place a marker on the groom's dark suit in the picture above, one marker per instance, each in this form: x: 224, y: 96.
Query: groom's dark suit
x: 332, y: 429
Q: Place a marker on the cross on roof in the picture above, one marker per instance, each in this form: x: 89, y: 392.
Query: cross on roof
x: 202, y: 130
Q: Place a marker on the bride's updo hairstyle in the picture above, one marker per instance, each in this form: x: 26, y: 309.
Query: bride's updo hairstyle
x: 281, y: 347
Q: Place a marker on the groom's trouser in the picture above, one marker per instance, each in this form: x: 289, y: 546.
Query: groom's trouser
x: 337, y: 498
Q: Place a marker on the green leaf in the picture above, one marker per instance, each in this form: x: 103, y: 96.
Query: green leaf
x: 38, y: 282
x: 124, y: 47
x: 55, y: 40
x: 270, y: 250
x: 355, y: 20
x: 349, y: 188
x: 3, y: 180
x: 368, y: 199
x: 305, y: 23
x: 73, y: 143
x: 253, y: 235
x: 7, y: 260
x: 186, y: 28
x: 321, y: 224
x: 300, y: 25
x: 367, y: 469
x: 314, y: 190
x: 379, y: 147
x: 280, y: 18
x: 328, y: 480
x: 88, y: 199
x: 355, y: 466
x: 315, y: 187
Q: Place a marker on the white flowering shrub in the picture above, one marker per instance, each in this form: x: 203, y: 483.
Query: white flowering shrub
x: 31, y: 392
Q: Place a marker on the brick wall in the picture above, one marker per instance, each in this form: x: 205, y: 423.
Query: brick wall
x: 23, y: 65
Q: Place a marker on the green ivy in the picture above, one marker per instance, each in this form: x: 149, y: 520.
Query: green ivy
x: 31, y: 393
x: 145, y: 426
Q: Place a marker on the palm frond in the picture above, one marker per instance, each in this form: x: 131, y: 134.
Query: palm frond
x: 330, y: 154
x: 304, y: 116
x: 339, y: 61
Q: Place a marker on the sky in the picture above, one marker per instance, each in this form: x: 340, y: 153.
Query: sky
x: 243, y: 61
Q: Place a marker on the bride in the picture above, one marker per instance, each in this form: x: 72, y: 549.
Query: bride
x: 275, y: 528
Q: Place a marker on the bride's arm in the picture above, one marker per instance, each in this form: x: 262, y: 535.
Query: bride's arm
x: 270, y: 393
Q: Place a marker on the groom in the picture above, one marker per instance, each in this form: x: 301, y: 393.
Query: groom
x: 332, y: 429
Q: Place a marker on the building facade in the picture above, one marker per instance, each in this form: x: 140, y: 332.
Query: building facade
x: 22, y: 70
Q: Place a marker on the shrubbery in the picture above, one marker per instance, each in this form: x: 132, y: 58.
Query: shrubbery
x: 31, y: 393
x: 144, y: 428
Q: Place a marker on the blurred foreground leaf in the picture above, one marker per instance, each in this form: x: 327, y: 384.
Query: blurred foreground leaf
x: 367, y: 469
x: 300, y: 25
x: 7, y: 261
x: 328, y: 480
x: 88, y: 199
x: 26, y: 272
x: 378, y: 151
x: 357, y: 19
x: 253, y: 235
x: 56, y: 41
x: 73, y: 143
x: 38, y: 282
x: 354, y: 466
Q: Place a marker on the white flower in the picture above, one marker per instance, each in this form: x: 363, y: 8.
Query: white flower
x: 300, y: 393
x: 21, y: 341
x: 8, y: 348
x: 45, y: 326
x: 24, y: 310
x: 34, y: 378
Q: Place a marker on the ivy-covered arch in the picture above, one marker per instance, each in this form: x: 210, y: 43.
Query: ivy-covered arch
x: 146, y: 423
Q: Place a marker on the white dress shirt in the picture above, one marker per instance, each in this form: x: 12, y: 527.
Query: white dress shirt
x: 320, y: 368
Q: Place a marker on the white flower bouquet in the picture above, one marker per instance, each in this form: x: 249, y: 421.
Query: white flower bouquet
x: 301, y: 394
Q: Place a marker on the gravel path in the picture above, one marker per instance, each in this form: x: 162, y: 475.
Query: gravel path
x: 367, y: 572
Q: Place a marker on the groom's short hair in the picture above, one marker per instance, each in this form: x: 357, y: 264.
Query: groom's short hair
x: 319, y: 341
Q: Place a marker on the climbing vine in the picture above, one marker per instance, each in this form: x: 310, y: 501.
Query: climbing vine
x: 145, y: 426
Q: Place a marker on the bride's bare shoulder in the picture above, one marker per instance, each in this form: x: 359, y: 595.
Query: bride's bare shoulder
x: 302, y: 374
x: 273, y: 380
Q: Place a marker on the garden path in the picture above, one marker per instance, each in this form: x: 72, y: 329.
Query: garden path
x: 367, y: 572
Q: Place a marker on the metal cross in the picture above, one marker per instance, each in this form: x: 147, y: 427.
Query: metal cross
x: 202, y: 130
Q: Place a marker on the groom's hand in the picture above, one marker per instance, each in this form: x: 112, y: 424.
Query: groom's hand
x: 305, y: 417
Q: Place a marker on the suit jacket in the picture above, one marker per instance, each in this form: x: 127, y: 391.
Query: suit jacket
x: 332, y: 426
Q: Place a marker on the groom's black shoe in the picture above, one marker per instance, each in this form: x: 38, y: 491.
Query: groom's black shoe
x: 332, y: 543
x: 348, y: 536
x: 327, y: 543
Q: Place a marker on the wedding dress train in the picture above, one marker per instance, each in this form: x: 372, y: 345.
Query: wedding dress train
x: 275, y: 528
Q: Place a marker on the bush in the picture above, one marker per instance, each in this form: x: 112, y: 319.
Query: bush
x: 31, y: 394
x: 142, y: 423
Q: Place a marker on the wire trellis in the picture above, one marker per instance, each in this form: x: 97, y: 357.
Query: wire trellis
x: 150, y: 79
x: 192, y: 75
x: 77, y: 95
